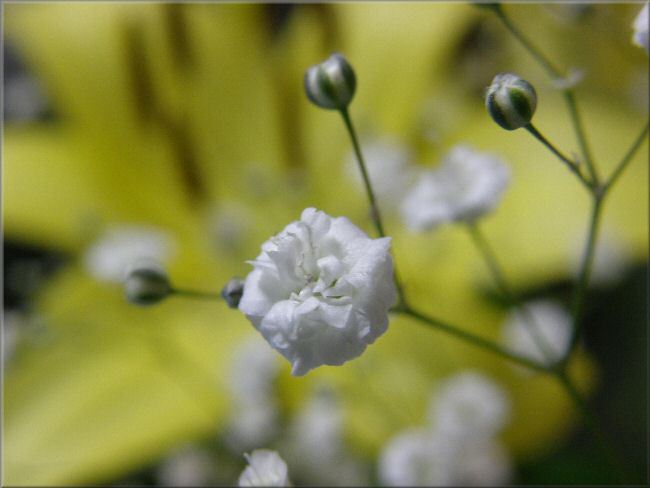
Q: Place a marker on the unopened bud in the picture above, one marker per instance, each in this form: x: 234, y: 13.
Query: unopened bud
x: 233, y: 291
x: 146, y: 283
x: 331, y: 84
x: 511, y: 101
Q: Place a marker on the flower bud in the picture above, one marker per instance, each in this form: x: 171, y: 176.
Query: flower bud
x: 511, y: 101
x: 233, y: 291
x: 331, y: 84
x: 146, y: 283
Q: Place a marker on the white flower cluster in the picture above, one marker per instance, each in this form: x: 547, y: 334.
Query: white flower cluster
x: 640, y: 26
x: 255, y: 416
x: 467, y: 185
x: 315, y: 445
x: 541, y: 331
x: 459, y: 446
x: 265, y: 468
x: 122, y: 245
x: 187, y: 466
x: 320, y: 291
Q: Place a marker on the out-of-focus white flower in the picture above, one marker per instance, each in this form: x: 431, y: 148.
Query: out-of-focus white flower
x: 467, y: 185
x: 265, y: 468
x: 480, y: 462
x: 24, y: 100
x: 389, y: 168
x: 573, y: 77
x: 469, y: 405
x: 640, y: 26
x: 320, y: 291
x: 458, y: 447
x: 316, y: 448
x: 12, y: 321
x: 187, y: 466
x: 228, y: 225
x: 108, y: 258
x: 611, y: 259
x: 416, y: 458
x: 254, y: 420
x: 541, y: 331
x: 419, y: 457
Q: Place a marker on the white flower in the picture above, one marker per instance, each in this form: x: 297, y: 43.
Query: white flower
x: 541, y: 331
x: 469, y: 405
x: 611, y: 259
x: 109, y: 257
x: 265, y: 468
x: 315, y: 445
x: 640, y: 36
x: 12, y: 324
x: 254, y: 421
x: 389, y: 168
x: 415, y: 458
x: 480, y: 462
x: 187, y: 466
x: 320, y: 291
x: 419, y: 457
x: 572, y: 79
x: 467, y: 185
x: 228, y: 224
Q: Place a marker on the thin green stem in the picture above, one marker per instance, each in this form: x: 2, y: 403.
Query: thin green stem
x: 490, y: 258
x: 374, y: 208
x: 577, y: 308
x: 568, y: 162
x: 476, y: 340
x: 570, y: 99
x: 554, y: 73
x: 523, y: 40
x: 620, y: 167
x: 199, y: 295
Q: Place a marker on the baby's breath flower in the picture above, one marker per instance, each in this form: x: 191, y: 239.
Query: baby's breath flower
x: 511, y: 101
x: 108, y: 258
x: 390, y: 170
x: 187, y: 466
x: 265, y: 468
x: 469, y: 404
x: 542, y: 332
x: 572, y: 79
x: 467, y: 185
x: 415, y: 458
x: 315, y: 445
x: 421, y: 457
x: 320, y: 291
x: 640, y: 36
x: 331, y: 84
x: 254, y: 420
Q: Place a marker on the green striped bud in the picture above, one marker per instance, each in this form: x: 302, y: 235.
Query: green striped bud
x: 146, y: 283
x: 511, y: 101
x: 331, y: 84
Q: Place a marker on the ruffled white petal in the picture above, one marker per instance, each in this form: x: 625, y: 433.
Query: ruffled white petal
x: 265, y: 468
x: 320, y: 291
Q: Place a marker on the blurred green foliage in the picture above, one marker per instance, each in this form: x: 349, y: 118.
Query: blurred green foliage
x: 167, y: 113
